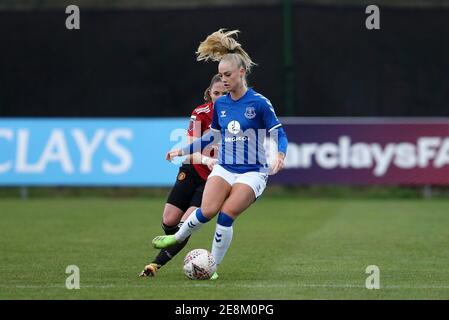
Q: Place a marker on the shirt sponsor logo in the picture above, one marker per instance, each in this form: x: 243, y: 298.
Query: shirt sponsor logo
x: 234, y: 127
x: 234, y: 139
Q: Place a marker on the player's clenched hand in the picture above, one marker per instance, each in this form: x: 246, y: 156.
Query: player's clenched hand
x: 172, y: 154
x: 211, y: 163
x: 278, y: 164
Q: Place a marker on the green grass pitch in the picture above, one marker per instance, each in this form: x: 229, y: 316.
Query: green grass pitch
x: 283, y: 248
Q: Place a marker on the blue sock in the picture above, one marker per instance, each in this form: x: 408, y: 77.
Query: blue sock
x: 225, y: 220
x: 200, y: 217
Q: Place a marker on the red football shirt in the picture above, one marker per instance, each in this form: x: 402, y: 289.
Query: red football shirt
x: 200, y: 121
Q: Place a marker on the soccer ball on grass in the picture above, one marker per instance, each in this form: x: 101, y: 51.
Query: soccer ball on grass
x: 199, y: 264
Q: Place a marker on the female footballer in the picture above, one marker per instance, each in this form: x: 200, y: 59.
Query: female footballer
x: 187, y: 192
x: 241, y: 174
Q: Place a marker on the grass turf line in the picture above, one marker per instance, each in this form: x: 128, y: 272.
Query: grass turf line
x: 282, y: 249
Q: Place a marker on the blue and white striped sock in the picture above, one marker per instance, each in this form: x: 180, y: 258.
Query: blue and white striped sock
x: 193, y: 223
x: 222, y: 237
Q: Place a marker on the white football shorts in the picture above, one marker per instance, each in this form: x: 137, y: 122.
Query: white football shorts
x: 256, y: 180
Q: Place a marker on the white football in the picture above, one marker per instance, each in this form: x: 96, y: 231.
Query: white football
x: 199, y: 264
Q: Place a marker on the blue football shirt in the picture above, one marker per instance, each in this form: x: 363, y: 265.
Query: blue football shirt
x: 244, y: 125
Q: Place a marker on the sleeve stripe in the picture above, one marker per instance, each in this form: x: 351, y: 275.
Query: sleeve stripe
x: 276, y: 126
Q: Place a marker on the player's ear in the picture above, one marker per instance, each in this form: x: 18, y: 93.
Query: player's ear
x: 242, y: 72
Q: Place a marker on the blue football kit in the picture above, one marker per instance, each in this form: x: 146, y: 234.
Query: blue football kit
x: 242, y: 125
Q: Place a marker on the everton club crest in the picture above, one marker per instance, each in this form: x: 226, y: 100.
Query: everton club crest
x: 250, y: 113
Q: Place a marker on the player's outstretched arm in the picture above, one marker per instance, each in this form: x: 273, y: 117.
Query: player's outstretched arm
x: 197, y: 145
x: 172, y: 154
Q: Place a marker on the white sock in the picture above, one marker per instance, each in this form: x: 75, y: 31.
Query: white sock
x: 191, y: 224
x: 221, y: 242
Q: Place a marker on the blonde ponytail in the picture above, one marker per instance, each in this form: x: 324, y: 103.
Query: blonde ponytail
x: 221, y: 45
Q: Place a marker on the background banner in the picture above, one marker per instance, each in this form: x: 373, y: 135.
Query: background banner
x: 131, y: 152
x: 122, y: 152
x: 410, y: 151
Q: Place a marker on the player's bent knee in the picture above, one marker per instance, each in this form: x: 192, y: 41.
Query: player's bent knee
x: 172, y: 215
x: 170, y: 220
